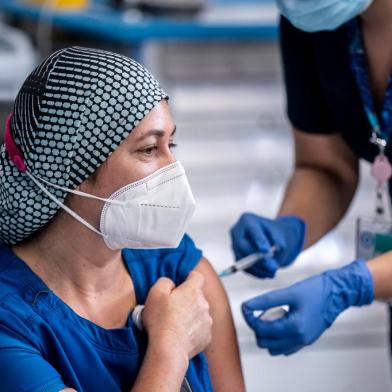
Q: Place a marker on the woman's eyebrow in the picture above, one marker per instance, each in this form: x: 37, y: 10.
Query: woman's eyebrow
x: 157, y: 133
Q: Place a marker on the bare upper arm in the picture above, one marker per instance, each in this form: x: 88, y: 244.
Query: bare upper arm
x: 222, y: 353
x: 329, y: 153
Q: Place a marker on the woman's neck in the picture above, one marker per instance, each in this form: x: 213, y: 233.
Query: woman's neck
x: 73, y: 259
x: 78, y: 267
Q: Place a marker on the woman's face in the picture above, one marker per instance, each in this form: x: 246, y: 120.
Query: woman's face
x: 146, y: 149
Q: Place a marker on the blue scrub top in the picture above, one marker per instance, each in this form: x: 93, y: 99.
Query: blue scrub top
x: 45, y: 346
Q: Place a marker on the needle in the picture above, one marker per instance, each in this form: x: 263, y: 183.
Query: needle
x: 247, y: 262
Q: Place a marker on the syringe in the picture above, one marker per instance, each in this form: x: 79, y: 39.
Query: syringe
x: 247, y: 262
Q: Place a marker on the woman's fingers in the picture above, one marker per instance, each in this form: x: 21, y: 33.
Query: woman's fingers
x: 195, y: 279
x: 164, y: 286
x: 182, y: 313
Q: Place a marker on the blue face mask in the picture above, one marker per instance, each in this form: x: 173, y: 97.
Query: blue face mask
x: 317, y: 15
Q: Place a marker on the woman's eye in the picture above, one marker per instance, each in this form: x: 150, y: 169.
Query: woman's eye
x: 149, y: 150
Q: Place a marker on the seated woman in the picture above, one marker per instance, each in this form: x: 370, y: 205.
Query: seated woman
x: 93, y: 211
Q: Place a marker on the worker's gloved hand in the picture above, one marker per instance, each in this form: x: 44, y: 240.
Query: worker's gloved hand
x: 253, y: 234
x: 314, y: 304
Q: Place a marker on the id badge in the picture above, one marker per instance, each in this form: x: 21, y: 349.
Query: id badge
x: 374, y: 237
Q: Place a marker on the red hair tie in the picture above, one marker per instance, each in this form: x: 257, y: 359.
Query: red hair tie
x: 12, y: 149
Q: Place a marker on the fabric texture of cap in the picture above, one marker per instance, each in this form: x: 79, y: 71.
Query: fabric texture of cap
x: 71, y: 113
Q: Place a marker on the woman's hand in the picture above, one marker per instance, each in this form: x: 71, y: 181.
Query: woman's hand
x: 177, y: 318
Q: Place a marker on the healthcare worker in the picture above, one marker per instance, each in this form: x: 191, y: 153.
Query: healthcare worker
x: 337, y: 57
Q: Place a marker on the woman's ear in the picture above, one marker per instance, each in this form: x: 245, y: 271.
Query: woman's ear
x: 82, y: 187
x: 86, y: 184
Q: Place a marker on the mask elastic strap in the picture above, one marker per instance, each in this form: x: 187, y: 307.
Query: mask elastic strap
x: 63, y: 206
x: 16, y: 156
x: 79, y: 193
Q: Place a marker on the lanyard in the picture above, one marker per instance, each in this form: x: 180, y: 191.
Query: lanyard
x: 381, y: 130
x: 381, y: 124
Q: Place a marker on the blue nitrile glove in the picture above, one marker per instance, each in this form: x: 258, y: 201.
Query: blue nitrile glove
x: 314, y: 304
x: 252, y: 234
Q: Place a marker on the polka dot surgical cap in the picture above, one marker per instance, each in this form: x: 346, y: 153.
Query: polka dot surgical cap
x: 71, y: 113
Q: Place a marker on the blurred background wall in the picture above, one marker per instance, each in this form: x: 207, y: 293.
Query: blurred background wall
x: 219, y: 62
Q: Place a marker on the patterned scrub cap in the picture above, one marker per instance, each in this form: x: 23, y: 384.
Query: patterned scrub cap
x: 71, y: 113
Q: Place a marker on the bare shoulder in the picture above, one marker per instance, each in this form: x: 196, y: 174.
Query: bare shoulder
x: 222, y: 353
x: 213, y: 287
x: 209, y: 273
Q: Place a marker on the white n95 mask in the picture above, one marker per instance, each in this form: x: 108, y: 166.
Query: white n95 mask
x: 157, y: 212
x: 151, y: 213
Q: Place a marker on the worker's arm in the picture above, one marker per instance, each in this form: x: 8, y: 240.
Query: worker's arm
x: 321, y: 188
x: 222, y: 353
x: 315, y: 303
x: 323, y: 182
x: 381, y: 270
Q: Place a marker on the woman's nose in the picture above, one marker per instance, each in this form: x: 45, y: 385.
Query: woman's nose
x: 169, y: 156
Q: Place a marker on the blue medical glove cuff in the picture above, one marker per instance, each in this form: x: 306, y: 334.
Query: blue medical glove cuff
x: 297, y: 228
x: 351, y: 285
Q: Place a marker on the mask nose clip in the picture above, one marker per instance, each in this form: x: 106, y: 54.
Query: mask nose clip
x: 12, y: 149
